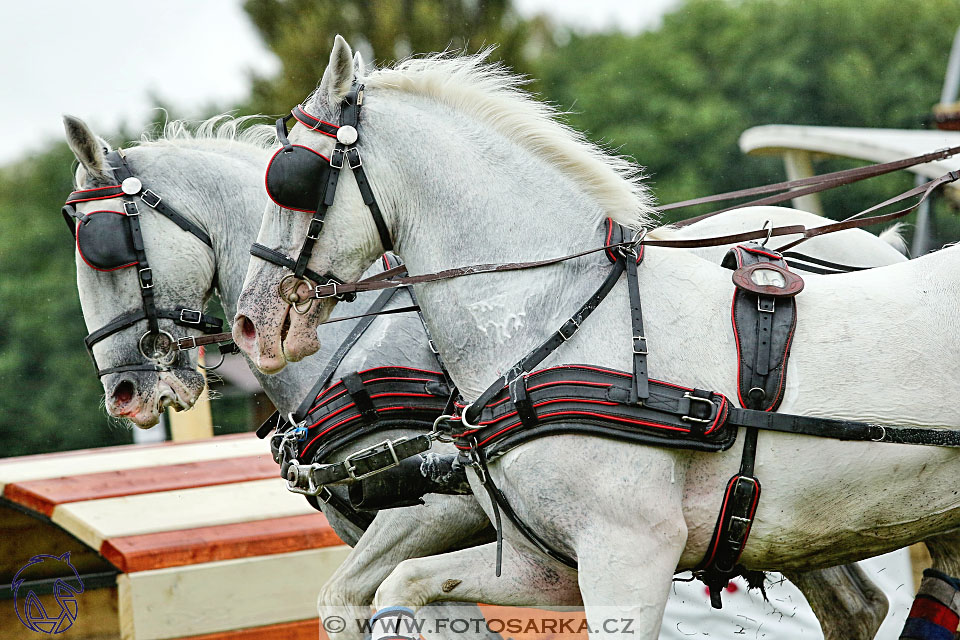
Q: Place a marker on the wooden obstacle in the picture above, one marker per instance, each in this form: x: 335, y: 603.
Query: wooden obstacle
x: 191, y: 540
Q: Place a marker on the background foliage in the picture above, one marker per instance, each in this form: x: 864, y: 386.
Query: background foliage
x: 675, y: 98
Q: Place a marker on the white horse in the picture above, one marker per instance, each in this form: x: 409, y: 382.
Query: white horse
x: 219, y: 160
x: 467, y: 169
x: 214, y: 176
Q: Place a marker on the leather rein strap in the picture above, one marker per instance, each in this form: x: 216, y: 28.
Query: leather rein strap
x: 804, y: 186
x: 856, y: 221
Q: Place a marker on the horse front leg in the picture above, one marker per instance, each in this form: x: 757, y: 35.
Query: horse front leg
x: 846, y: 602
x: 936, y: 610
x: 527, y: 579
x: 395, y: 535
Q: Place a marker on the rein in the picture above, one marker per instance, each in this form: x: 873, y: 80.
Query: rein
x: 859, y: 220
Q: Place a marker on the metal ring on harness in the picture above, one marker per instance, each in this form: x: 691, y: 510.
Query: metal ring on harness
x: 630, y: 248
x: 769, y: 229
x: 463, y: 418
x: 165, y: 357
x: 223, y: 356
x: 290, y: 295
x: 438, y: 435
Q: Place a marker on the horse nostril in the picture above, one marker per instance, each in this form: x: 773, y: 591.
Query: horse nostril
x: 124, y: 392
x: 247, y: 328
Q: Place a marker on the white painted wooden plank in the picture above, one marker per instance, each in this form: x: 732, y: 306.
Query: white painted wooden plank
x: 93, y: 521
x: 119, y: 458
x: 221, y: 596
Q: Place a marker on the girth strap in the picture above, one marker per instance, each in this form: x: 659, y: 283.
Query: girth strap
x: 730, y: 534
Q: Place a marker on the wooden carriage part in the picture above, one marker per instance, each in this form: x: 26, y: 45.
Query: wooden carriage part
x: 192, y: 540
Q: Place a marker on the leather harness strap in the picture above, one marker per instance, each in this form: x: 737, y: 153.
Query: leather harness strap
x: 804, y: 186
x: 344, y: 152
x: 127, y: 187
x: 583, y: 401
x: 359, y: 405
x: 763, y: 327
x: 854, y: 222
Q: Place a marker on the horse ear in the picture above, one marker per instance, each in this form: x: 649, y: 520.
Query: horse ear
x: 86, y: 146
x: 358, y: 65
x: 338, y: 76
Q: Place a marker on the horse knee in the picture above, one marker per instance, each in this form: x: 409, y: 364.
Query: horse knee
x: 404, y: 586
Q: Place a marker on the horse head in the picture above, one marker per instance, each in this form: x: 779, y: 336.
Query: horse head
x: 140, y: 371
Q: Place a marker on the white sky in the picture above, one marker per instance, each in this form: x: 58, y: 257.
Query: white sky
x: 110, y: 61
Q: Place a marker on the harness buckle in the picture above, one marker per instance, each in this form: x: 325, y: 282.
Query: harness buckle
x: 130, y: 208
x: 638, y: 349
x: 190, y: 316
x: 316, y: 226
x: 354, y: 153
x: 570, y: 325
x: 336, y: 158
x: 150, y: 197
x: 386, y: 445
x: 329, y: 283
x: 773, y: 306
x: 186, y: 342
x: 433, y: 347
x: 145, y: 276
x: 692, y: 398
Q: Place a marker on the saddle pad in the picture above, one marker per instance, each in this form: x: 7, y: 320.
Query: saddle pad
x: 764, y: 320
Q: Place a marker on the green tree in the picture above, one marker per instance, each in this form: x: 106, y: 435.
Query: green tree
x: 678, y: 98
x: 49, y: 394
x: 300, y: 33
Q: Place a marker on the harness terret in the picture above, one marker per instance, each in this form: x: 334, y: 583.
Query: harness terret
x: 110, y: 240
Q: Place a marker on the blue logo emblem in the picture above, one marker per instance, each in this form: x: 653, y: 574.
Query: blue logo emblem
x: 30, y: 610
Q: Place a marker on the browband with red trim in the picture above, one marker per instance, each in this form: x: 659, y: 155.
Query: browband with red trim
x: 314, y: 123
x: 99, y: 193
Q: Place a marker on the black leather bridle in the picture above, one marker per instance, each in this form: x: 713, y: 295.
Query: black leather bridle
x: 156, y: 345
x: 346, y: 153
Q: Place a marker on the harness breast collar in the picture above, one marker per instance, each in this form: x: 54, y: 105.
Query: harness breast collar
x: 285, y: 168
x: 111, y: 243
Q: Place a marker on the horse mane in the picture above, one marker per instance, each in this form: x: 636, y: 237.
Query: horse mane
x: 493, y: 94
x: 220, y: 132
x: 222, y: 128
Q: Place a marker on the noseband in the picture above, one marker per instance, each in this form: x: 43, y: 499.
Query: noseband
x: 300, y: 179
x: 112, y: 240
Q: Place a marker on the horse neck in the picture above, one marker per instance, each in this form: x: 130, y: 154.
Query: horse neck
x: 218, y: 188
x: 510, y: 205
